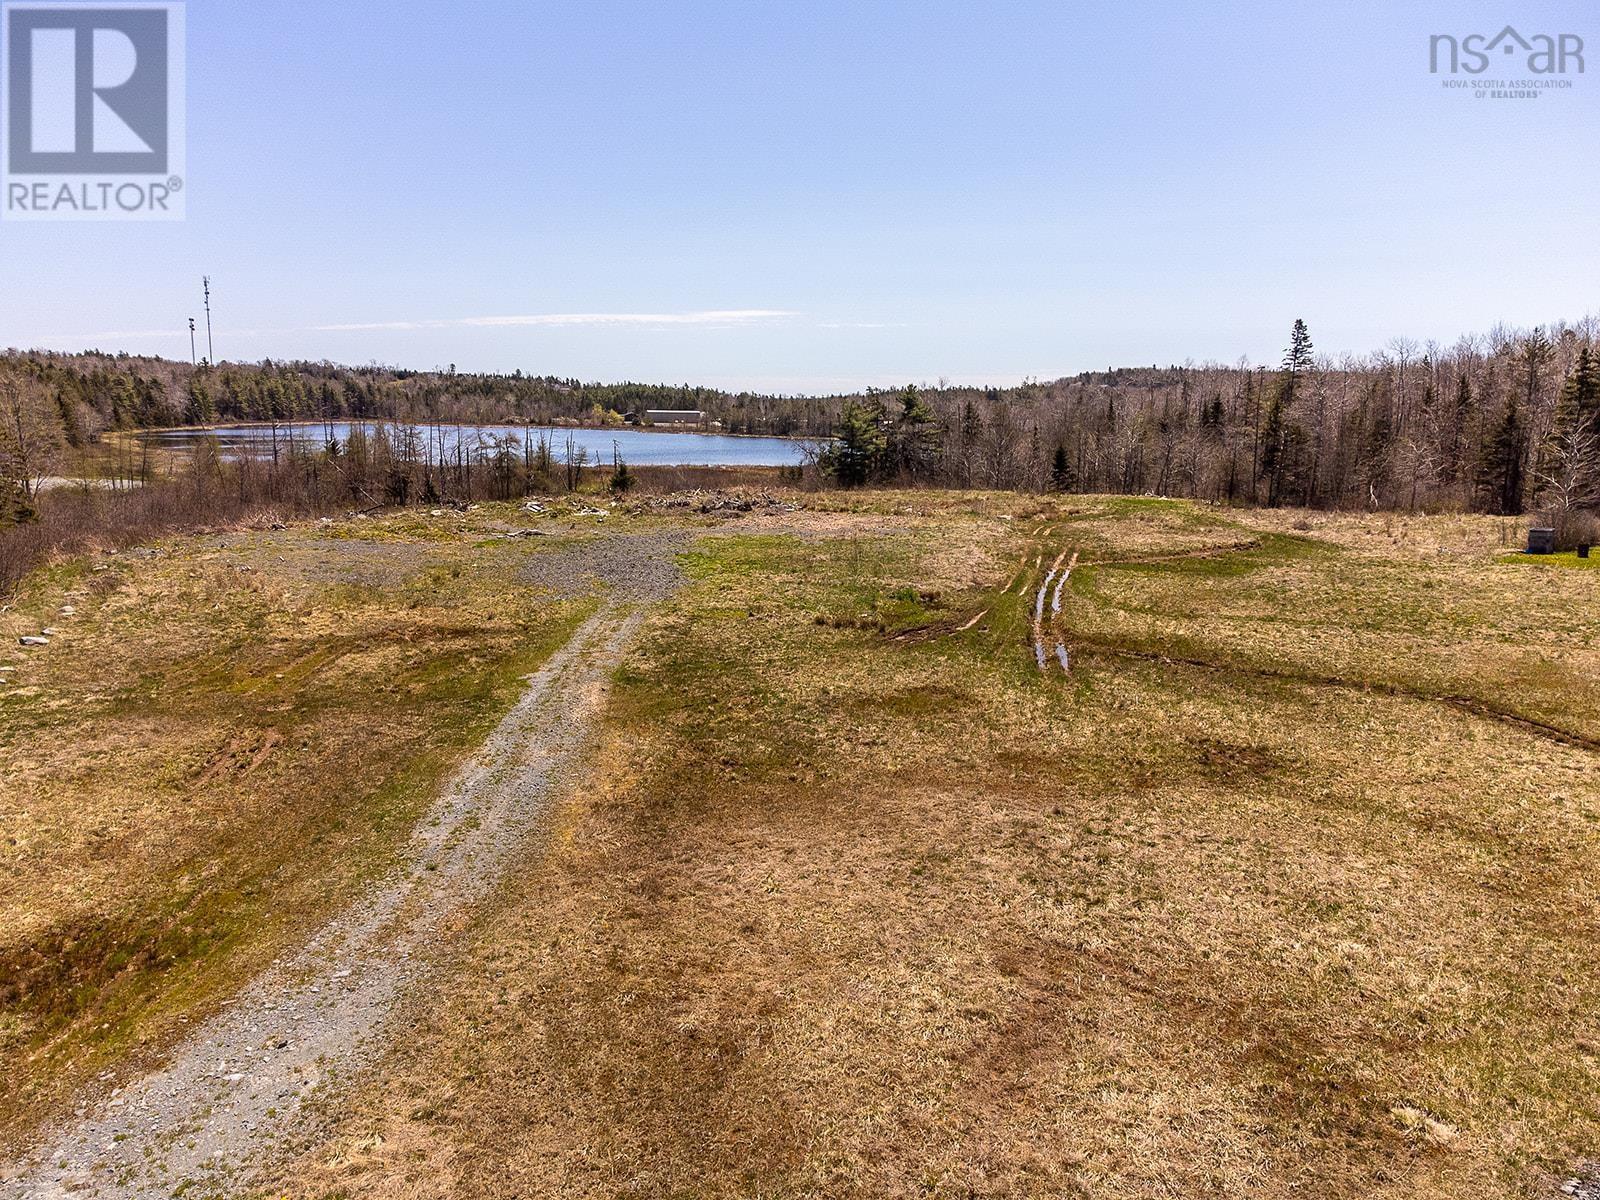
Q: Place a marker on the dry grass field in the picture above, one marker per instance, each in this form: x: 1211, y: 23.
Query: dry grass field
x: 1287, y: 889
x: 227, y: 735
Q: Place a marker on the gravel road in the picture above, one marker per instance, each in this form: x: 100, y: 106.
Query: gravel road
x: 236, y: 1092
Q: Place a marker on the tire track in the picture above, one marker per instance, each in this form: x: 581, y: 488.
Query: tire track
x: 1057, y: 577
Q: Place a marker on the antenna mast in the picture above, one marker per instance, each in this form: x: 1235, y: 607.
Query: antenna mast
x: 194, y: 358
x: 211, y: 349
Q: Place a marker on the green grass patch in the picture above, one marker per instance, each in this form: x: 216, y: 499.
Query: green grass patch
x: 1568, y: 561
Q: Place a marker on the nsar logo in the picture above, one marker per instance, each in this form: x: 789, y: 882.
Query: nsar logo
x: 1542, y: 54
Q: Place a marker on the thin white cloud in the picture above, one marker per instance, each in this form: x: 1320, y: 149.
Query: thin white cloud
x: 708, y: 318
x: 703, y: 318
x: 110, y: 334
x: 728, y: 316
x: 80, y: 340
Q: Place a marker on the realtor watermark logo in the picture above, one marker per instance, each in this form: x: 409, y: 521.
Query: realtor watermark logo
x: 92, y: 98
x: 1523, y: 67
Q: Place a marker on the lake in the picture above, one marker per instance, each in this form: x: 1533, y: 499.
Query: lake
x: 638, y: 447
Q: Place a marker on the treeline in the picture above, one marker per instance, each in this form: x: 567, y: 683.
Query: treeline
x: 1505, y: 423
x: 98, y: 392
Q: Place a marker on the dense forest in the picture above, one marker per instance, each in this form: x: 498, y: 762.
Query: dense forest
x: 96, y: 392
x: 1506, y: 422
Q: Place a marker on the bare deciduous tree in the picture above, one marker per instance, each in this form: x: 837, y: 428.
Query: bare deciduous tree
x: 30, y: 435
x: 1569, y: 481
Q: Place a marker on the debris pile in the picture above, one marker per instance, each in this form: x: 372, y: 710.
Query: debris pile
x: 729, y: 503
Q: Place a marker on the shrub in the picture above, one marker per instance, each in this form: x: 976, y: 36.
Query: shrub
x: 1576, y: 528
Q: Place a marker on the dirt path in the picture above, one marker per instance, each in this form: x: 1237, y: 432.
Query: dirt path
x: 236, y: 1091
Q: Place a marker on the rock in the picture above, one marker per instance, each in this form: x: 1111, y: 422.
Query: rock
x: 34, y: 641
x: 50, y: 632
x: 68, y: 610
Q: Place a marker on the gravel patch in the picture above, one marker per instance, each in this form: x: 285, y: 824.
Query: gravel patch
x: 245, y: 1085
x: 633, y: 567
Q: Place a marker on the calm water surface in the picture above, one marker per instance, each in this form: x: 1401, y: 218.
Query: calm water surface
x: 639, y: 447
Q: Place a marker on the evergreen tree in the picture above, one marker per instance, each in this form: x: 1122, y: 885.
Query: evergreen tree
x: 1502, y: 463
x: 913, y: 440
x: 124, y: 405
x: 1535, y: 354
x: 1061, y: 476
x: 857, y: 455
x: 200, y: 409
x: 622, y: 479
x: 1579, y: 405
x: 1297, y: 359
x: 1283, y: 442
x: 16, y: 506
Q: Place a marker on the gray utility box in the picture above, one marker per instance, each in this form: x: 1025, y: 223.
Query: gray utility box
x: 1541, y: 541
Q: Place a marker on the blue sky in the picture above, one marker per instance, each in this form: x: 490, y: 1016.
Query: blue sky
x: 815, y: 195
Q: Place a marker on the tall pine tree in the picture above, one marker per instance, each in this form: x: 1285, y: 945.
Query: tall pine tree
x: 1579, y: 405
x: 1283, y: 441
x: 1502, y: 464
x: 858, y: 454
